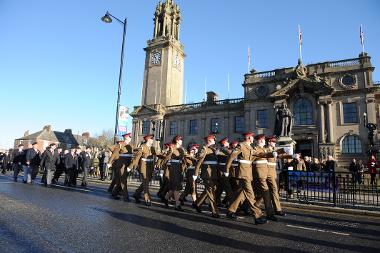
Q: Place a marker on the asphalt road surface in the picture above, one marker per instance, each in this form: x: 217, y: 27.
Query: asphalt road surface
x: 59, y: 219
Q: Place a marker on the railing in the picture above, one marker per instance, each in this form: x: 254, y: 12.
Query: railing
x: 376, y: 83
x: 200, y: 104
x: 339, y: 189
x: 265, y: 74
x: 344, y: 63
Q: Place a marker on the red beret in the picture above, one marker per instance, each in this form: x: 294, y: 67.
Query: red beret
x: 248, y: 134
x: 176, y: 138
x: 148, y: 136
x: 127, y: 135
x: 222, y: 141
x: 260, y: 136
x: 234, y: 142
x: 272, y: 138
x: 209, y: 137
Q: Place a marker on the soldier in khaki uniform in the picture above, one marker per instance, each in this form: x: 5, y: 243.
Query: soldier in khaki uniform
x: 233, y: 170
x: 261, y: 174
x: 188, y: 164
x: 177, y: 155
x: 246, y: 155
x: 223, y: 176
x: 113, y: 161
x: 125, y: 158
x: 163, y: 160
x: 144, y: 159
x: 208, y: 165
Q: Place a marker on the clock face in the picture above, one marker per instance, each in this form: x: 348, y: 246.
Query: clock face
x: 348, y: 81
x: 262, y: 91
x: 156, y: 57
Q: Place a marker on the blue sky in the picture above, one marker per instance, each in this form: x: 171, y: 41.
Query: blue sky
x: 59, y: 63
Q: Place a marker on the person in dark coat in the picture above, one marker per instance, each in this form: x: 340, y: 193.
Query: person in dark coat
x: 18, y: 160
x: 48, y: 161
x: 33, y: 162
x: 60, y: 165
x: 330, y: 164
x: 86, y: 164
x: 71, y: 162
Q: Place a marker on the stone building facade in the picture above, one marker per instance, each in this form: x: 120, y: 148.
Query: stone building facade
x: 327, y: 100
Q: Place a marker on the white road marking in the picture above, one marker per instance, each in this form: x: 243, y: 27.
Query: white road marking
x: 318, y: 230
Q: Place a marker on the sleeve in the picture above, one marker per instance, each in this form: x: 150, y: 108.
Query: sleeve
x: 201, y: 157
x: 232, y: 157
x: 28, y: 156
x: 136, y: 158
x: 115, y: 153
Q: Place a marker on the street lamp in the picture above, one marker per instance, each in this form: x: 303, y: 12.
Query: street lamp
x: 371, y: 129
x: 107, y: 18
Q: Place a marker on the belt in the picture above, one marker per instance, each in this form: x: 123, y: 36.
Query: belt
x: 245, y: 161
x: 222, y: 163
x: 274, y: 164
x: 169, y: 163
x: 175, y: 161
x: 235, y: 164
x: 210, y: 162
x: 260, y: 162
x: 126, y: 155
x: 147, y: 160
x: 191, y: 167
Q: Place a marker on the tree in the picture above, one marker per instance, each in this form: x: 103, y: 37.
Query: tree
x: 104, y: 140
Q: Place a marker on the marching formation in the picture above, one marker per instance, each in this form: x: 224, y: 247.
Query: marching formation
x: 245, y: 172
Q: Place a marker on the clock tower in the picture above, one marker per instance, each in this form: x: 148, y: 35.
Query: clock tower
x: 164, y: 61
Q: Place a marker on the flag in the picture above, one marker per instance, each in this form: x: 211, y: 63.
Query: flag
x: 249, y: 58
x: 299, y: 35
x: 361, y: 36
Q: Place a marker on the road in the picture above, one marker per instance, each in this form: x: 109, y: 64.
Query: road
x: 59, y: 219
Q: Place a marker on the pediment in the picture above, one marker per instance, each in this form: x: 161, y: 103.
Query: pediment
x: 146, y: 110
x: 313, y: 84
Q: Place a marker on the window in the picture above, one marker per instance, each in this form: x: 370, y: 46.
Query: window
x: 215, y: 126
x: 145, y: 127
x: 193, y: 129
x: 262, y: 118
x: 303, y: 112
x: 173, y: 128
x: 239, y: 124
x: 350, y: 114
x: 351, y: 144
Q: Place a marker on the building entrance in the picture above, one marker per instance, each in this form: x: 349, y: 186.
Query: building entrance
x: 305, y: 147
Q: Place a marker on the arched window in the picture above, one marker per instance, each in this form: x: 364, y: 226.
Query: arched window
x: 352, y: 144
x: 303, y: 112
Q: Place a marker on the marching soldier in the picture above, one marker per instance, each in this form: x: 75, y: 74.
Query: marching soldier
x: 164, y: 171
x: 113, y: 161
x: 223, y: 176
x: 261, y: 171
x: 175, y: 172
x: 233, y: 170
x: 144, y: 158
x: 246, y: 155
x: 208, y: 165
x: 122, y: 168
x: 188, y: 164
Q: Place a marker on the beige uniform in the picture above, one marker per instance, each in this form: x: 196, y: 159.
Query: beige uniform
x: 144, y: 159
x: 245, y: 155
x: 124, y: 161
x: 176, y: 169
x: 188, y: 166
x: 113, y: 161
x: 208, y: 166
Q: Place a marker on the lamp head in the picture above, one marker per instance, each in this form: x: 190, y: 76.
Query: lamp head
x: 106, y: 18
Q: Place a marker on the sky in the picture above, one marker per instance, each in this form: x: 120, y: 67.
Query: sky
x: 60, y: 63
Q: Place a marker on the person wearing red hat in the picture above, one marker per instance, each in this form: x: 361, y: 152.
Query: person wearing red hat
x: 175, y: 172
x: 113, y: 161
x: 244, y: 154
x: 122, y: 168
x: 261, y: 171
x: 234, y: 181
x: 163, y: 164
x: 144, y: 159
x: 188, y: 165
x: 223, y: 175
x: 207, y: 164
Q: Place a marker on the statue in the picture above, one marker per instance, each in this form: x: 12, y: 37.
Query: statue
x: 284, y: 121
x: 301, y: 70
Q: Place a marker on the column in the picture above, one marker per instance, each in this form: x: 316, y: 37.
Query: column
x: 155, y: 27
x: 371, y: 109
x: 330, y: 121
x: 321, y: 122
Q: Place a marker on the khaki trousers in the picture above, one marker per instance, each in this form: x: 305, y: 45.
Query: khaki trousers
x: 144, y: 186
x: 208, y: 192
x: 262, y: 175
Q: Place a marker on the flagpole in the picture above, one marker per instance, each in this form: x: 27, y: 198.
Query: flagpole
x: 300, y: 41
x: 362, y: 38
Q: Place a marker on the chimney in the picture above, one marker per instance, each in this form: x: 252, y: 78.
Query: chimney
x: 26, y: 133
x: 47, y: 128
x: 68, y: 131
x: 211, y: 97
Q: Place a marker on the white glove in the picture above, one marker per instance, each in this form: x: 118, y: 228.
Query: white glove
x: 226, y: 174
x: 275, y: 154
x: 195, y: 178
x: 128, y: 169
x: 108, y: 165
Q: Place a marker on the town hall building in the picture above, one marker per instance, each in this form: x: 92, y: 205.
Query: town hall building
x: 327, y: 100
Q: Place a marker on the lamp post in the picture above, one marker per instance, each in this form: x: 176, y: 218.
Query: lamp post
x: 371, y: 129
x: 107, y: 18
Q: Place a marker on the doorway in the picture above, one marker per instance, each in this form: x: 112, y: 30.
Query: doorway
x: 305, y: 147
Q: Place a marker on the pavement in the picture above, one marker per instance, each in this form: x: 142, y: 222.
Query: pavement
x: 34, y: 218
